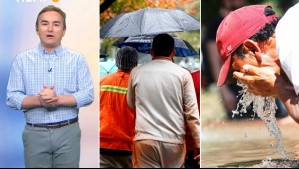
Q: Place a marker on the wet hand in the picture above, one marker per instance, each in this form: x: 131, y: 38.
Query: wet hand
x: 260, y: 80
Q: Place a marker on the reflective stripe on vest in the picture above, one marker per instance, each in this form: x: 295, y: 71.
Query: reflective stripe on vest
x: 115, y: 89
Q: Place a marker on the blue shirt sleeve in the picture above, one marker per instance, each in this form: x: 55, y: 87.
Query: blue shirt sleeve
x: 15, y: 87
x: 85, y: 93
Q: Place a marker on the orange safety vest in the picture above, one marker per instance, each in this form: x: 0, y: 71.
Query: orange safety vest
x: 117, y: 120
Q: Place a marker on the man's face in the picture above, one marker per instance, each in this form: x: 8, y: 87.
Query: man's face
x: 50, y: 29
x: 268, y: 57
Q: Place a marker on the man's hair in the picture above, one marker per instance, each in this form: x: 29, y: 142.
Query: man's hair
x: 163, y: 45
x: 262, y: 35
x: 48, y: 9
x: 127, y: 58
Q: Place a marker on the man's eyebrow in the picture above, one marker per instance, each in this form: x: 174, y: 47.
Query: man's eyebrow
x: 48, y: 21
x: 56, y: 22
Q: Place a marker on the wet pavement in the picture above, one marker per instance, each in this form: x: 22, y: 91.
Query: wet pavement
x: 246, y: 143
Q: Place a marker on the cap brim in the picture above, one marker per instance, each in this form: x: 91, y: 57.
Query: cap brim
x: 224, y: 71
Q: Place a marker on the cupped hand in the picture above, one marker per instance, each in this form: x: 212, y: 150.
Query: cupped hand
x: 260, y: 80
x: 48, y: 97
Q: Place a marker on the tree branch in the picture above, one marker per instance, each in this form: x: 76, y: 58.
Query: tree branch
x: 105, y: 5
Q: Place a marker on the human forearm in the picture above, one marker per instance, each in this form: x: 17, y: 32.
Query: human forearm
x: 83, y: 97
x: 193, y: 122
x: 131, y: 95
x: 229, y: 98
x: 66, y: 101
x: 131, y: 101
x: 31, y: 102
x: 62, y: 101
x: 288, y: 96
x: 191, y: 110
x: 85, y: 93
x: 49, y: 98
x: 59, y: 101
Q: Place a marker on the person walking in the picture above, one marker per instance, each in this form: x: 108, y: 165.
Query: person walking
x: 164, y: 97
x: 117, y: 119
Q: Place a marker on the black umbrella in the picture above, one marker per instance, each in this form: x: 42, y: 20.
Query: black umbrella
x: 149, y: 21
x: 143, y: 44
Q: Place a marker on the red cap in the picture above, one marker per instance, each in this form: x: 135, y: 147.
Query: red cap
x: 238, y: 26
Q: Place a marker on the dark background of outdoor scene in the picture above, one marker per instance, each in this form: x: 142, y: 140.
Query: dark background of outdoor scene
x: 110, y: 9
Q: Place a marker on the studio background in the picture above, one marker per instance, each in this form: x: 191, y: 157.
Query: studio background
x: 17, y: 34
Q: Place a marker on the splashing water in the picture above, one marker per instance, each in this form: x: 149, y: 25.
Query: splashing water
x: 269, y: 163
x: 265, y: 108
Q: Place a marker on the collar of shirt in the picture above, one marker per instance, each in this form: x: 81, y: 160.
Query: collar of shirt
x: 55, y: 52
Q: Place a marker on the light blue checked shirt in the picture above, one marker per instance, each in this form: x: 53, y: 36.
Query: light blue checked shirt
x: 64, y: 69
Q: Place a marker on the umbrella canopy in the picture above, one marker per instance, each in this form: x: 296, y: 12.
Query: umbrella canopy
x: 149, y: 21
x: 143, y: 45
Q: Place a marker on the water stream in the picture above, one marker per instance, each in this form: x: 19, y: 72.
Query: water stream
x: 265, y: 108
